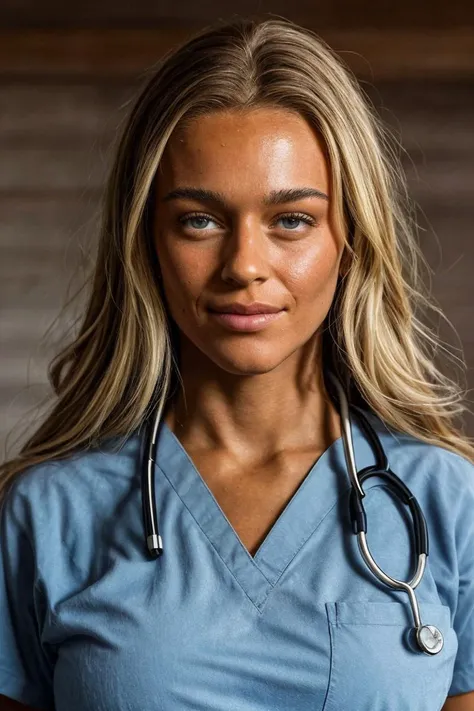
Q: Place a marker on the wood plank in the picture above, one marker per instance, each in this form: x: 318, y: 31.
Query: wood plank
x: 71, y: 168
x: 338, y: 13
x: 370, y: 52
x: 30, y: 369
x: 61, y: 115
x: 45, y: 288
x: 447, y: 180
x: 23, y: 329
x: 20, y: 414
x: 427, y: 116
x: 54, y: 221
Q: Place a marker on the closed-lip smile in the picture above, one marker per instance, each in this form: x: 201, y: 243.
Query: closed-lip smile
x: 255, y: 307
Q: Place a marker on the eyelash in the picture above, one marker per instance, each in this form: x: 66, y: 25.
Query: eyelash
x: 303, y: 217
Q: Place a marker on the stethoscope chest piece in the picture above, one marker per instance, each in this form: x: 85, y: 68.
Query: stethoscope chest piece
x: 429, y: 639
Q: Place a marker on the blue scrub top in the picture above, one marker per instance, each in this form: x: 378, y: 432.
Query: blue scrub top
x: 89, y: 622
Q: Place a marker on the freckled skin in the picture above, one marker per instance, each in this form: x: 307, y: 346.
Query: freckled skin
x: 246, y: 251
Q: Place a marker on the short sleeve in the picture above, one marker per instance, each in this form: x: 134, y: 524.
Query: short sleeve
x: 25, y: 667
x: 463, y: 621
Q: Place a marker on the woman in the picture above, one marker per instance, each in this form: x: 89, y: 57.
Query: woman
x: 251, y: 171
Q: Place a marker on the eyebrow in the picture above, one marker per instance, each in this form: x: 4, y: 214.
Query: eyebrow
x: 275, y: 197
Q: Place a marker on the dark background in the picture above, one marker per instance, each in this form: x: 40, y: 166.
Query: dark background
x: 68, y: 72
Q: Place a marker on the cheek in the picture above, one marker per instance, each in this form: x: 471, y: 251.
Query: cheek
x: 312, y: 276
x: 184, y: 278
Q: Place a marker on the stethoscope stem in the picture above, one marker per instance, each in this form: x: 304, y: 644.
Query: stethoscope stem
x: 408, y: 587
x: 381, y: 575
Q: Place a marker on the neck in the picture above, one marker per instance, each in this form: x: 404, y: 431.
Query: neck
x: 253, y: 416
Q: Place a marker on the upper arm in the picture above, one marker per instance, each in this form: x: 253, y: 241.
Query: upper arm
x: 461, y: 689
x: 26, y: 669
x: 460, y: 702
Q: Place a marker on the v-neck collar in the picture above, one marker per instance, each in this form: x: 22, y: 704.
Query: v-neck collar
x: 317, y: 494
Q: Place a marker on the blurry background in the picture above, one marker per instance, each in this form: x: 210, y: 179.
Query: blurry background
x: 68, y: 74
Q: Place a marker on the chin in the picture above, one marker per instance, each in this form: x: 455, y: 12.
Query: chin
x: 246, y: 363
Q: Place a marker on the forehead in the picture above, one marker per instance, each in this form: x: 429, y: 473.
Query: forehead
x: 265, y: 144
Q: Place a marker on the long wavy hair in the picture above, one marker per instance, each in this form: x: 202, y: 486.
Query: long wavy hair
x: 124, y: 359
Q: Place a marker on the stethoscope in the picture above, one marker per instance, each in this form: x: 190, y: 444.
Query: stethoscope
x: 428, y: 637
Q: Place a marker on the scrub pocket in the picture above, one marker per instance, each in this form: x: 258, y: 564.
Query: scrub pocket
x: 375, y: 664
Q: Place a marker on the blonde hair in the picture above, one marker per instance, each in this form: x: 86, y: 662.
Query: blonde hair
x: 123, y: 360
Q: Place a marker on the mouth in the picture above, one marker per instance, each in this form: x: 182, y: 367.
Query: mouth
x: 246, y: 322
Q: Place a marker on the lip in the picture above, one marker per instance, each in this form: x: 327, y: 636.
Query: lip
x: 246, y: 322
x: 257, y: 307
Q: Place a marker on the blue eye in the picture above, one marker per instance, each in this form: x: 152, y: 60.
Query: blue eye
x: 298, y: 217
x: 184, y: 220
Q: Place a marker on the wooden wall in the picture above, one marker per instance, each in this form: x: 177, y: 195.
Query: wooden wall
x: 64, y: 91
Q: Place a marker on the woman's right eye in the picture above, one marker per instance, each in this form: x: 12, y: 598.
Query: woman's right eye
x: 196, y: 219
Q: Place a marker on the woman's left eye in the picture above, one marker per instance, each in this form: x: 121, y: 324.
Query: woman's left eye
x: 298, y: 217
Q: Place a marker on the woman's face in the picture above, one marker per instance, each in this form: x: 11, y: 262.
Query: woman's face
x: 240, y: 246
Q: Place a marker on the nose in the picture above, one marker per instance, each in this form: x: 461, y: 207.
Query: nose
x: 246, y: 254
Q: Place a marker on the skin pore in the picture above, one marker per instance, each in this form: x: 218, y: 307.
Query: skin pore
x: 256, y: 415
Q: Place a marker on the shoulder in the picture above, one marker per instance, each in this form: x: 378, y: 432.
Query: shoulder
x: 51, y: 500
x: 421, y: 460
x: 441, y: 479
x: 88, y: 472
